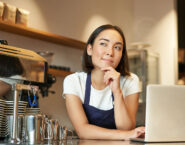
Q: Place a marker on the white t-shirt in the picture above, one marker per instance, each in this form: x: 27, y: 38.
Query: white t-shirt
x: 75, y: 84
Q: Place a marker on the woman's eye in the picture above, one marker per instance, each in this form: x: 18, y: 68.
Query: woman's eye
x: 117, y: 47
x: 103, y: 44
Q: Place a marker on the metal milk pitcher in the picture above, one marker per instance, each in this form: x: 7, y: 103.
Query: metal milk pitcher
x: 20, y: 129
x: 55, y: 128
x: 34, y: 128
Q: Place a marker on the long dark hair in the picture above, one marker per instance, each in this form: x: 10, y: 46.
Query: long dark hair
x: 122, y: 67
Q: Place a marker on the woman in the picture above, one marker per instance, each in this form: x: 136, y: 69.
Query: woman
x: 102, y: 103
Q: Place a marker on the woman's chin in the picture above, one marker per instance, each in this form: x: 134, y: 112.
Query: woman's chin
x: 106, y: 65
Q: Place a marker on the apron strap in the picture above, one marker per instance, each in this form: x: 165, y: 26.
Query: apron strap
x: 88, y: 89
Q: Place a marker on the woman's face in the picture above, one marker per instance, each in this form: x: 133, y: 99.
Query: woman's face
x: 107, y: 49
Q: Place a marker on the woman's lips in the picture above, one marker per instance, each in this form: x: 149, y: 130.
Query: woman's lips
x: 107, y: 60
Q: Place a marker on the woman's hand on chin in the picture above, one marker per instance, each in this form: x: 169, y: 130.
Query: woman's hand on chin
x: 112, y: 78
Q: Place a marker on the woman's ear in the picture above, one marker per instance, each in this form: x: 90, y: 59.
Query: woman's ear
x: 89, y: 49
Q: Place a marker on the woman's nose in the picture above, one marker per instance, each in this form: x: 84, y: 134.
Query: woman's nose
x: 110, y: 51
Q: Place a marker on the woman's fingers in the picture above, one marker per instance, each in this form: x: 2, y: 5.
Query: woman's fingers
x: 110, y: 73
x: 137, y: 132
x: 112, y: 78
x: 140, y: 131
x: 107, y: 78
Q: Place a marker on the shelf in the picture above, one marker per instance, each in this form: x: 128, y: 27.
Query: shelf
x: 41, y: 35
x: 53, y: 71
x: 60, y: 73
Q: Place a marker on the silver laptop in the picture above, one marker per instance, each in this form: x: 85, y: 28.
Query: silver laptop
x: 165, y: 114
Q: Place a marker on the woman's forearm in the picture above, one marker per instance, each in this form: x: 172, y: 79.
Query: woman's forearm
x: 121, y: 113
x: 89, y: 131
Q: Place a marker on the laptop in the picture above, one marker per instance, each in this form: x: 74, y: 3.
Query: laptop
x: 165, y: 114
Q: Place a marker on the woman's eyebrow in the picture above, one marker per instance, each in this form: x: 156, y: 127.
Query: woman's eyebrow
x: 119, y: 43
x: 104, y: 39
x: 109, y: 41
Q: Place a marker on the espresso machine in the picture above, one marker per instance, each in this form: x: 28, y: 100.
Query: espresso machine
x: 33, y: 72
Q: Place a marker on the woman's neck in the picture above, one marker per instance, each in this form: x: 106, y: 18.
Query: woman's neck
x: 97, y: 79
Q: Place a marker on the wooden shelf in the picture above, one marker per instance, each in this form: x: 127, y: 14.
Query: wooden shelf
x: 38, y: 34
x: 60, y: 73
x: 53, y: 71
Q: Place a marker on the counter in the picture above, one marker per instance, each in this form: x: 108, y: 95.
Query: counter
x: 96, y: 142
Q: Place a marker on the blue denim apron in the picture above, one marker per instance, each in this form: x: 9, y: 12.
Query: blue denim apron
x: 102, y: 118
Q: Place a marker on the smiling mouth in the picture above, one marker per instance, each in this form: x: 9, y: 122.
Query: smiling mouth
x: 107, y: 60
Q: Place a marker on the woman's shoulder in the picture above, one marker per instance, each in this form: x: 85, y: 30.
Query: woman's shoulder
x: 76, y: 76
x: 130, y: 84
x: 129, y: 79
x: 132, y: 77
